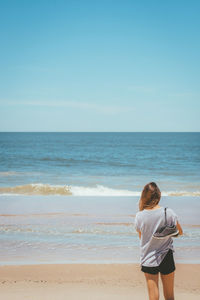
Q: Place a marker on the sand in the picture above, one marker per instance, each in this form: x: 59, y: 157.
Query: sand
x: 89, y: 281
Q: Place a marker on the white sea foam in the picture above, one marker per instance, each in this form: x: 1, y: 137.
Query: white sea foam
x: 98, y: 190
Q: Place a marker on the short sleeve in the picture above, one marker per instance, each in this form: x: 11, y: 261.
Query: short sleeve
x: 172, y: 218
x: 137, y: 223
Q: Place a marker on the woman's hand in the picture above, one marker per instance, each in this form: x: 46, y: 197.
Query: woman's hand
x: 179, y: 228
x: 139, y: 232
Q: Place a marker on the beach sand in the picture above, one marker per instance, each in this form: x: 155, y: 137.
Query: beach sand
x: 89, y: 281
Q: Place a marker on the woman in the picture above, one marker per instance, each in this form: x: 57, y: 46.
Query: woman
x: 156, y: 255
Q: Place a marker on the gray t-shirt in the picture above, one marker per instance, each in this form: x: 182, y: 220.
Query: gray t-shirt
x: 152, y: 251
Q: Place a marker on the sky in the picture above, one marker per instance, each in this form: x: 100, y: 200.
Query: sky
x: 99, y: 65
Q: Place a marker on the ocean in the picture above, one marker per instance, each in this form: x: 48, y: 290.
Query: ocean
x: 72, y: 197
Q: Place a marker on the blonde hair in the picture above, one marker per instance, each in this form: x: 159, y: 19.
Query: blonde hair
x: 150, y: 196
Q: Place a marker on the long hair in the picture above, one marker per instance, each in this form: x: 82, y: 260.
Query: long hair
x: 150, y: 196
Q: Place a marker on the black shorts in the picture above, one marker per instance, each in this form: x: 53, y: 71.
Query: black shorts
x: 167, y: 265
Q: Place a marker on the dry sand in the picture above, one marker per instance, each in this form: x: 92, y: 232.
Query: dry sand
x: 89, y: 281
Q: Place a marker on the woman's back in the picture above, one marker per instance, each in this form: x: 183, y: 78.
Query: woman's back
x: 147, y: 222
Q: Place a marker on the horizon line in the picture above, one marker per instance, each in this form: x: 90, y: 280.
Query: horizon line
x: 99, y: 131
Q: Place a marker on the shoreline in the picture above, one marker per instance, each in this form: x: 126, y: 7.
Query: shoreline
x: 89, y: 281
x: 95, y: 262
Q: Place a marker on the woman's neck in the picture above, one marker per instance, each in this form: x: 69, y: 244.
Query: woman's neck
x: 155, y: 207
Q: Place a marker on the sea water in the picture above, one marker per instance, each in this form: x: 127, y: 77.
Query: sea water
x: 72, y: 197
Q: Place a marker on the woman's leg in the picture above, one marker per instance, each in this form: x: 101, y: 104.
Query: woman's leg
x: 152, y: 285
x: 168, y: 286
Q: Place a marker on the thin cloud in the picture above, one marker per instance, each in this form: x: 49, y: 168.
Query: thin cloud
x: 101, y: 108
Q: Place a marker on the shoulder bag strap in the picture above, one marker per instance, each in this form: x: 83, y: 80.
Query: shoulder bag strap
x: 165, y: 216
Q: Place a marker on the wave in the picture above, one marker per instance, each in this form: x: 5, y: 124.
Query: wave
x: 54, y: 214
x: 56, y: 231
x: 86, y: 161
x: 36, y: 189
x: 8, y: 173
x: 181, y: 193
x: 98, y: 190
x: 16, y: 173
x: 47, y: 189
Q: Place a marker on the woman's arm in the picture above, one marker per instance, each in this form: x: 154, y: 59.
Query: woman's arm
x: 179, y: 228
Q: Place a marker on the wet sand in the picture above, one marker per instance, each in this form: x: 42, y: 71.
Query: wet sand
x: 90, y: 281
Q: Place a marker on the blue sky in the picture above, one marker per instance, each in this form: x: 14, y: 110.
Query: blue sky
x: 99, y: 65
